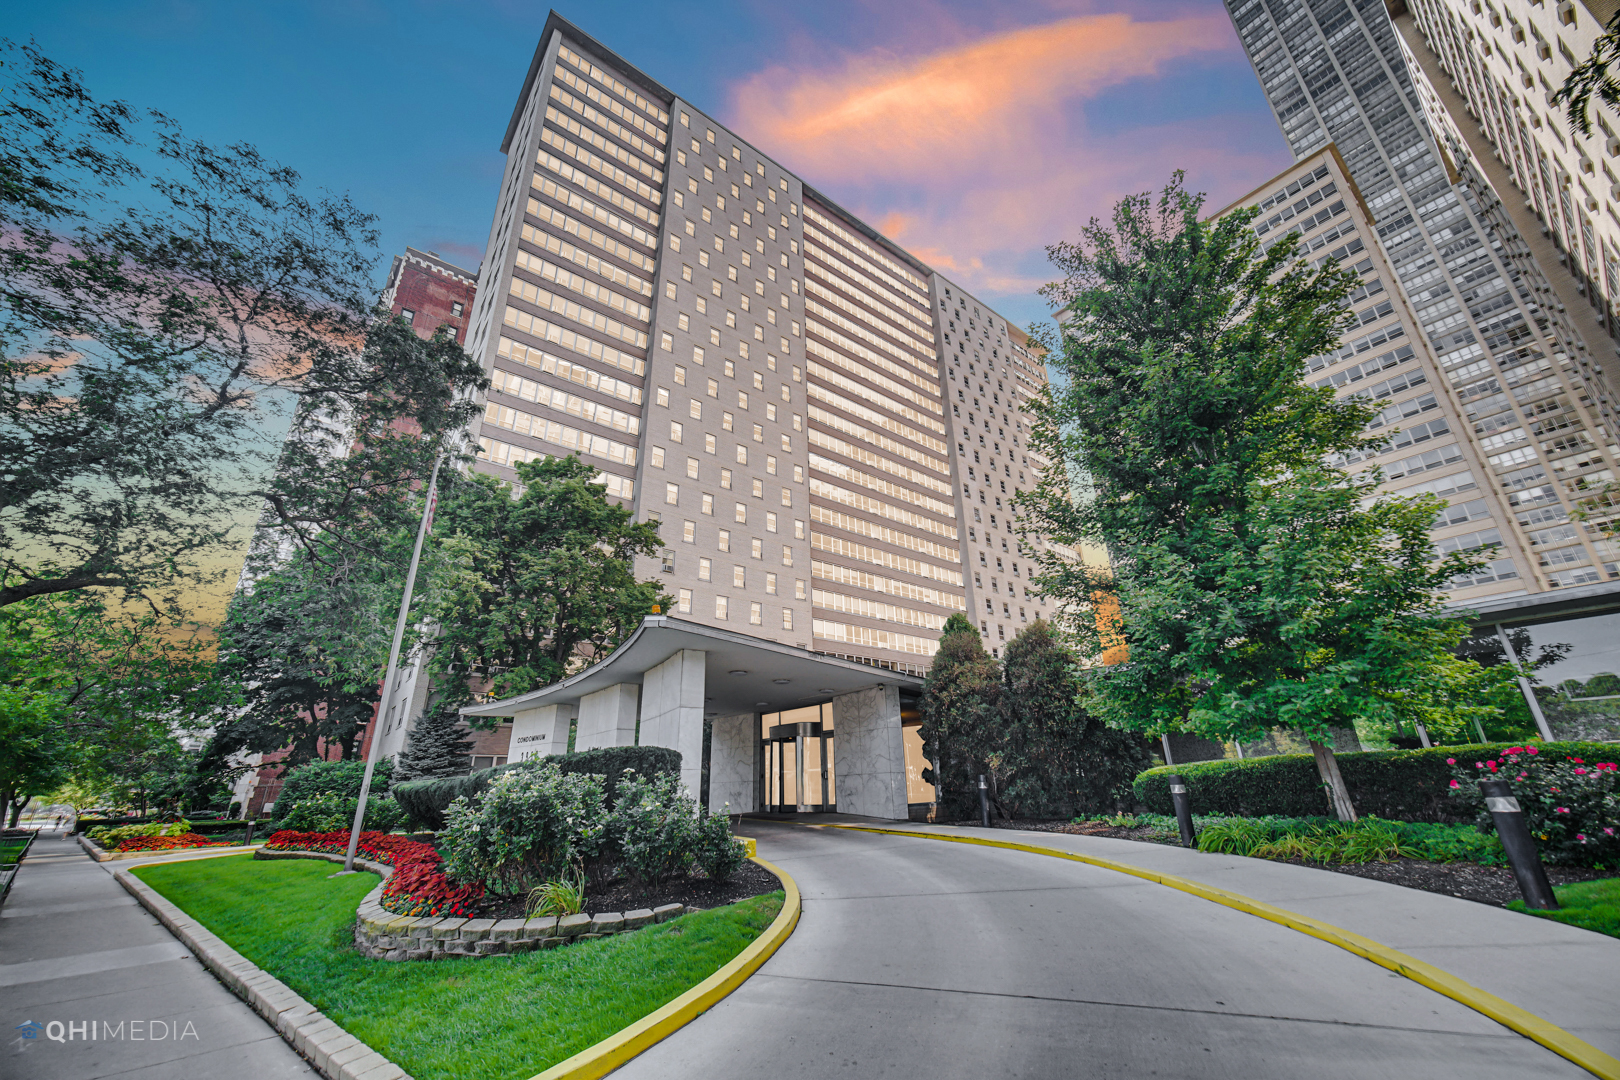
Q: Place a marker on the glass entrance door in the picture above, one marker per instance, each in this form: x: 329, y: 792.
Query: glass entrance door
x: 797, y: 762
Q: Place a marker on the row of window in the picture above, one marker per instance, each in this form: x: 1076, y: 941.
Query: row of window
x: 860, y: 579
x: 574, y: 311
x: 580, y: 257
x: 502, y: 453
x: 567, y: 279
x: 881, y: 261
x: 722, y: 609
x: 851, y: 475
x: 566, y: 370
x: 583, y: 109
x: 849, y: 549
x: 582, y: 442
x: 574, y: 342
x: 583, y: 408
x: 834, y: 445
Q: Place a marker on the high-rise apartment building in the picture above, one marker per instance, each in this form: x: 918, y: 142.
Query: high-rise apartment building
x: 1509, y: 371
x: 828, y: 432
x: 1386, y: 360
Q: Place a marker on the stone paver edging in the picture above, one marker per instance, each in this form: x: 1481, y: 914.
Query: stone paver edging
x: 1526, y: 1023
x: 335, y: 1053
x: 383, y: 935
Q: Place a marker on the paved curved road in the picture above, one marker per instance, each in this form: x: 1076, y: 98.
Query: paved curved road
x: 921, y: 959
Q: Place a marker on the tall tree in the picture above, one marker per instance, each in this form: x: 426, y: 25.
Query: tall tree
x: 962, y: 717
x: 162, y: 300
x: 529, y: 587
x: 88, y: 688
x: 1060, y: 756
x: 1591, y: 78
x: 1253, y: 585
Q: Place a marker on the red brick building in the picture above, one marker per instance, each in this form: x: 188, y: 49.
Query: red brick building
x: 429, y: 291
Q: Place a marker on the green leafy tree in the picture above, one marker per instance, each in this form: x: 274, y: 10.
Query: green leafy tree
x: 1592, y: 78
x: 962, y: 717
x: 306, y: 642
x: 163, y: 301
x: 90, y: 689
x: 438, y: 747
x: 529, y: 587
x: 1061, y: 758
x: 1250, y: 586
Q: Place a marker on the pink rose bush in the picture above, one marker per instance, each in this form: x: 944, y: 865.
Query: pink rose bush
x: 1572, y: 805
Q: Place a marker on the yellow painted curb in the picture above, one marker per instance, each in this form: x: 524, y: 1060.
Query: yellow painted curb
x: 615, y: 1050
x: 748, y: 842
x: 1528, y: 1024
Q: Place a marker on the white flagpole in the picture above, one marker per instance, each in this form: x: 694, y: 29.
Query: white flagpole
x: 392, y: 675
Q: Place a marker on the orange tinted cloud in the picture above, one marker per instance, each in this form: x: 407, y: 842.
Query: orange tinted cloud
x: 976, y: 156
x: 961, y: 106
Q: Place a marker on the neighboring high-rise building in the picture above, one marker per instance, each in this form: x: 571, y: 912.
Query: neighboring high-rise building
x: 828, y: 431
x: 1511, y: 372
x: 1383, y: 359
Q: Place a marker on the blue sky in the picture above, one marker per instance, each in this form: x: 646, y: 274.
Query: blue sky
x: 403, y: 104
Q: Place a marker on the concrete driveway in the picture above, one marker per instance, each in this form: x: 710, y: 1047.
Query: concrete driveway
x: 928, y: 960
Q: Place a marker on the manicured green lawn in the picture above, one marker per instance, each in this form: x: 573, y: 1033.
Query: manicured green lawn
x: 464, y: 1019
x: 1591, y: 905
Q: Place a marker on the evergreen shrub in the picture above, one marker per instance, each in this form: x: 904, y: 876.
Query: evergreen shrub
x: 1400, y: 785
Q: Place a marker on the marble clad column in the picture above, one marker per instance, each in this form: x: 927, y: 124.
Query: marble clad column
x: 732, y: 772
x: 607, y: 717
x: 871, y: 753
x: 672, y: 712
x: 542, y: 731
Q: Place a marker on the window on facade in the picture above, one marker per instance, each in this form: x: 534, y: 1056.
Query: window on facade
x: 708, y: 504
x: 674, y: 431
x: 739, y: 577
x: 705, y: 568
x: 724, y: 541
x: 672, y: 494
x: 770, y: 521
x: 456, y: 309
x: 691, y: 468
x: 408, y: 315
x: 689, y: 532
x: 759, y: 488
x: 754, y: 612
x: 787, y: 555
x: 685, y: 605
x: 709, y: 443
x: 658, y: 457
x: 720, y: 605
x: 741, y: 514
x: 668, y: 559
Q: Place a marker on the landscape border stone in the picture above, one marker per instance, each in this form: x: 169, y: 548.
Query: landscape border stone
x: 383, y: 935
x: 336, y: 1054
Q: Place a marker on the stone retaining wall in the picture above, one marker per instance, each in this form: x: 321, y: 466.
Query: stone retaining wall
x: 383, y: 935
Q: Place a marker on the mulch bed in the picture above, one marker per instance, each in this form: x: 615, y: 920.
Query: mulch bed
x: 1494, y: 885
x: 622, y: 895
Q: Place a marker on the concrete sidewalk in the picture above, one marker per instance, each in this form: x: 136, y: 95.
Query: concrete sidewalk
x: 75, y: 948
x: 1567, y: 976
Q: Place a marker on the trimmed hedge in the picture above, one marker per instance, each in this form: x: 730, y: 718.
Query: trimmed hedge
x: 425, y: 801
x: 1401, y: 785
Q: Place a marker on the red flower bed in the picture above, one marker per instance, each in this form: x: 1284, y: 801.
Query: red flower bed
x: 167, y: 843
x: 418, y: 886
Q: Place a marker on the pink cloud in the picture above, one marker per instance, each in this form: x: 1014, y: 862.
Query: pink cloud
x: 974, y: 156
x: 963, y: 105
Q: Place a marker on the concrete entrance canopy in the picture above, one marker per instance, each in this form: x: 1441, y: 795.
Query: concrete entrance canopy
x: 680, y: 673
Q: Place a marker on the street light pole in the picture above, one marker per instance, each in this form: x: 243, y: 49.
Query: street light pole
x: 392, y: 673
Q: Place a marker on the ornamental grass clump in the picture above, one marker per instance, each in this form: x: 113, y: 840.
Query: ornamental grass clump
x: 528, y: 827
x: 1571, y: 805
